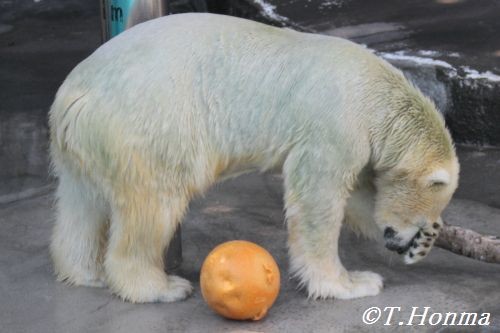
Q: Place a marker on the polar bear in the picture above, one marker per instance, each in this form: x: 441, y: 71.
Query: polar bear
x: 166, y: 109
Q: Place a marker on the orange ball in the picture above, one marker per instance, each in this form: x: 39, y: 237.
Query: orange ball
x: 240, y: 280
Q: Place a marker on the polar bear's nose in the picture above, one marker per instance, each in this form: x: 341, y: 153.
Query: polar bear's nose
x: 389, y: 233
x: 393, y: 243
x: 400, y: 249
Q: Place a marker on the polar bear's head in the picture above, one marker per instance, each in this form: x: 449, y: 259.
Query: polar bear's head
x: 410, y: 201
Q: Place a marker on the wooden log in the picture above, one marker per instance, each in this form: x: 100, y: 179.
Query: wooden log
x: 469, y: 243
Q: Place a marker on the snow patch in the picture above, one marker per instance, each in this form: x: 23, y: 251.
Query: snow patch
x: 419, y: 60
x: 428, y: 53
x: 269, y: 11
x: 427, y: 61
x: 475, y: 75
x: 332, y: 3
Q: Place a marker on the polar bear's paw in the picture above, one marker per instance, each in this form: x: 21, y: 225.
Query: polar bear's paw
x: 422, y: 243
x: 178, y: 289
x: 349, y: 285
x: 165, y: 289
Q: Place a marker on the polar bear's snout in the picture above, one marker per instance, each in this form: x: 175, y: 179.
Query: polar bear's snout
x: 396, y: 243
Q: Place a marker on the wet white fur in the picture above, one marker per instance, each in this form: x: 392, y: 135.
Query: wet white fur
x: 164, y: 110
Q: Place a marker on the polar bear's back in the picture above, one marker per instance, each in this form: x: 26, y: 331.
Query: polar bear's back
x: 239, y: 86
x: 166, y: 57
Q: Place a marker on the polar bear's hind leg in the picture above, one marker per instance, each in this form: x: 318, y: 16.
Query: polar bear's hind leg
x: 142, y: 224
x: 79, y: 235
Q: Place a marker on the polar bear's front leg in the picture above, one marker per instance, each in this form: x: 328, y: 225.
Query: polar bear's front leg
x: 315, y: 203
x: 315, y: 262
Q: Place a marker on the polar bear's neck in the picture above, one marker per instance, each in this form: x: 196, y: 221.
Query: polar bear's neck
x: 409, y: 122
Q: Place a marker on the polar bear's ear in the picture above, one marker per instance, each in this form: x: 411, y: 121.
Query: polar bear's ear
x: 439, y: 177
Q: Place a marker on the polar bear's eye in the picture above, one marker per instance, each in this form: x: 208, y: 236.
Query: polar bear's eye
x: 438, y: 183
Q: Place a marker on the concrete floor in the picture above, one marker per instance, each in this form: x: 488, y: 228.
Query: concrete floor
x: 248, y: 208
x: 40, y: 42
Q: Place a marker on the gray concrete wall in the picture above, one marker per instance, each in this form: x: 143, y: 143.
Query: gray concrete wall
x: 40, y: 42
x: 23, y: 153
